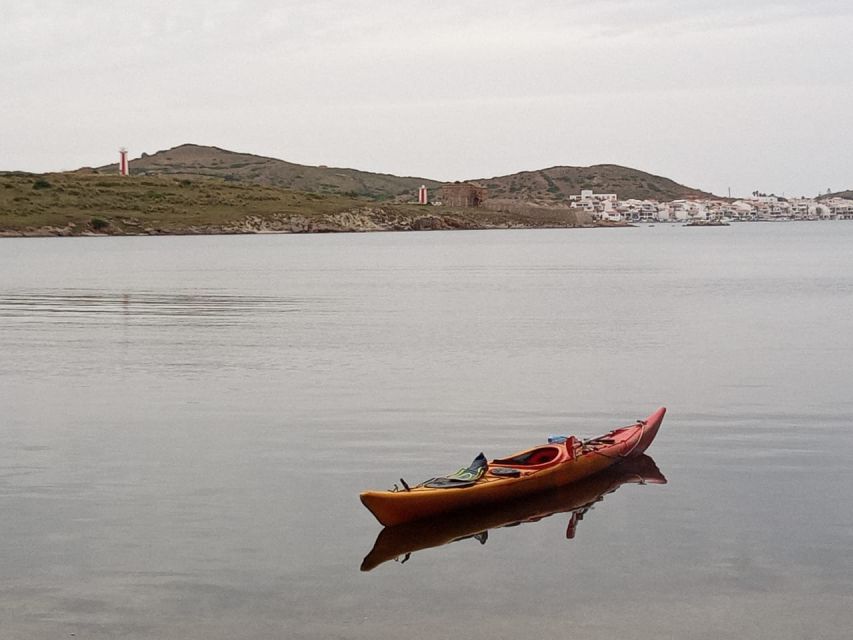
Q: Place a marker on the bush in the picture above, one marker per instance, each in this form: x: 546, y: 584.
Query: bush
x: 99, y: 224
x: 41, y: 183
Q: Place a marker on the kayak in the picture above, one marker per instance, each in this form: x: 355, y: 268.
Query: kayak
x: 576, y: 499
x: 547, y: 466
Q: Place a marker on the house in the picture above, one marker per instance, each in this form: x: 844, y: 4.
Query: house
x: 598, y: 204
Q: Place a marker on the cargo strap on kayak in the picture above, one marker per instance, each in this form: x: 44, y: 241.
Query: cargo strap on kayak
x: 465, y: 477
x: 606, y: 439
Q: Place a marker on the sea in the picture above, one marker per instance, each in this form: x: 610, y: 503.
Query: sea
x: 186, y: 424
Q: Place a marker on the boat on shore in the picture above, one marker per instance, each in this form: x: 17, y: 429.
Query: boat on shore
x: 576, y: 499
x: 560, y: 462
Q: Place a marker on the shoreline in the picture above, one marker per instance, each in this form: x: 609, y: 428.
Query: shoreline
x: 77, y: 205
x: 57, y: 232
x: 361, y: 218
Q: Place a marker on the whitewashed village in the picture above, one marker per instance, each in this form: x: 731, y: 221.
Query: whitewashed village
x: 607, y: 208
x: 756, y: 208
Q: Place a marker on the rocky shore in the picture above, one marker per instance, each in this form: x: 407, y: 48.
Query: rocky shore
x: 367, y: 219
x: 73, y: 204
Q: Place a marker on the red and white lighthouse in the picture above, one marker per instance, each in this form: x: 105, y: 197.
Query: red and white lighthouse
x: 422, y: 195
x: 123, y: 167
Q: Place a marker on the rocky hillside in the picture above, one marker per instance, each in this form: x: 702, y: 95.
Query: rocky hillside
x: 192, y: 160
x: 546, y: 187
x: 81, y: 203
x: 555, y: 185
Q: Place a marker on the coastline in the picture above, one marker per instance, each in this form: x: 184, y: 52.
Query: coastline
x: 75, y: 205
x: 301, y: 225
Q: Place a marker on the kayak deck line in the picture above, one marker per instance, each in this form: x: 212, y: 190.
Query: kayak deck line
x: 542, y: 467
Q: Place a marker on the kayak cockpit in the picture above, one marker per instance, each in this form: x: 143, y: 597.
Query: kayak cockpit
x: 536, y: 458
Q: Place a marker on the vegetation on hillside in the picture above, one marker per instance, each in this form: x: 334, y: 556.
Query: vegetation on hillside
x: 547, y: 187
x: 93, y: 202
x: 86, y: 203
x: 557, y: 184
x: 197, y: 189
x: 191, y: 160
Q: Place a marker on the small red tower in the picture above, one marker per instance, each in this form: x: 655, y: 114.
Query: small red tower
x: 123, y: 167
x: 422, y: 195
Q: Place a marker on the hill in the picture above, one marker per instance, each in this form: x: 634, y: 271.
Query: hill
x: 848, y: 194
x: 189, y: 160
x: 80, y: 203
x: 547, y: 187
x: 555, y: 185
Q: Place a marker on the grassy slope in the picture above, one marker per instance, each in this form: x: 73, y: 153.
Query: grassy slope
x: 151, y: 202
x: 546, y: 187
x: 197, y: 160
x: 556, y: 184
x: 83, y: 203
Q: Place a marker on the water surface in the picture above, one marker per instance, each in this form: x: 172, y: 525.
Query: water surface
x: 187, y: 422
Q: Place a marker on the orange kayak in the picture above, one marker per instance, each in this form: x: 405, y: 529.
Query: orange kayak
x: 575, y: 499
x: 543, y: 467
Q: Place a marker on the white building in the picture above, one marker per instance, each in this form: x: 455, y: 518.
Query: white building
x: 600, y: 205
x: 839, y: 208
x: 640, y: 210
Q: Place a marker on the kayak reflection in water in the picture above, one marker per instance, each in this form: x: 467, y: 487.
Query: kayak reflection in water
x: 563, y: 461
x: 400, y: 541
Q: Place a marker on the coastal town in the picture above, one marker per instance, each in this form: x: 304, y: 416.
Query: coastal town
x: 758, y: 207
x: 591, y: 207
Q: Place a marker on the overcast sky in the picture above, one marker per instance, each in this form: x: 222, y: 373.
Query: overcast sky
x: 747, y: 94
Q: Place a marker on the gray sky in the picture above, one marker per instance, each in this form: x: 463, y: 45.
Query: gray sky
x: 748, y: 94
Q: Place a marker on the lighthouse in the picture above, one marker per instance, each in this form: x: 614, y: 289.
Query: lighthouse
x: 123, y: 167
x: 422, y: 195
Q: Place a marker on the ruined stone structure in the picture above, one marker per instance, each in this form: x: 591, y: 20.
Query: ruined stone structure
x: 462, y: 194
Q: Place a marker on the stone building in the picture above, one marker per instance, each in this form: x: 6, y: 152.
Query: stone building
x: 462, y: 194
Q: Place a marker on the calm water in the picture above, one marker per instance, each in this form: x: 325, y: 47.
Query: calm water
x: 187, y: 422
